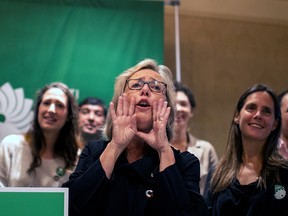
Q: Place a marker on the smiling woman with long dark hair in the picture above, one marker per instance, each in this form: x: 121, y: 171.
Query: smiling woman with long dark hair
x: 251, y: 177
x: 47, y: 153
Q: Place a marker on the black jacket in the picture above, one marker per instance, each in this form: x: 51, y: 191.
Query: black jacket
x: 135, y: 189
x: 250, y: 200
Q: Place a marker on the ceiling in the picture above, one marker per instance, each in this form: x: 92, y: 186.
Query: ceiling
x: 275, y: 11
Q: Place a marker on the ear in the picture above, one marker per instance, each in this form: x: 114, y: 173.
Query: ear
x: 191, y: 114
x: 275, y: 125
x: 236, y: 118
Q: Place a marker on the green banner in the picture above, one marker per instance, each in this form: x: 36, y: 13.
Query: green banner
x: 34, y: 201
x: 83, y: 43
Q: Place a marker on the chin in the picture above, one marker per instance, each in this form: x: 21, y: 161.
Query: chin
x: 50, y: 129
x: 146, y: 128
x: 180, y: 124
x: 89, y: 132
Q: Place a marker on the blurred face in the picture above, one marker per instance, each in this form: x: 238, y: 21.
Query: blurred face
x: 91, y: 118
x: 145, y: 97
x: 257, y: 117
x: 184, y: 110
x: 53, y: 110
x: 284, y: 113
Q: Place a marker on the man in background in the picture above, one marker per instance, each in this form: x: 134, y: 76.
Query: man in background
x: 92, y: 115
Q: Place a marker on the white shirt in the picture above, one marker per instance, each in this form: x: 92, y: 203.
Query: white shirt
x: 206, y: 154
x: 15, y: 160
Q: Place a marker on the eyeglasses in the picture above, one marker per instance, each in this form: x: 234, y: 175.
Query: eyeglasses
x: 154, y: 85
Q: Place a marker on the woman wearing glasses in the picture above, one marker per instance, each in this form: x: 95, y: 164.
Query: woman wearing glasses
x: 136, y: 171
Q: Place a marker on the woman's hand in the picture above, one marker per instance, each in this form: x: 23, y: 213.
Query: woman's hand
x: 124, y: 129
x: 157, y: 137
x: 124, y: 122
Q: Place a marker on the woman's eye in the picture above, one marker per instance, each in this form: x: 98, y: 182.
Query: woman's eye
x: 267, y: 111
x: 250, y: 107
x: 60, y: 105
x: 136, y: 85
x: 46, y: 103
x: 156, y: 87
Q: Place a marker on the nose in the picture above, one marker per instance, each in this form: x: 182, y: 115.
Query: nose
x: 178, y: 107
x: 52, y: 108
x: 258, y: 114
x: 145, y: 90
x: 91, y: 116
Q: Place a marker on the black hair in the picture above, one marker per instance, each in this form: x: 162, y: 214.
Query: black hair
x: 94, y: 101
x: 181, y: 87
x: 281, y: 95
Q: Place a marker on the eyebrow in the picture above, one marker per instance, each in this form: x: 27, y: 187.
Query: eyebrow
x: 143, y: 78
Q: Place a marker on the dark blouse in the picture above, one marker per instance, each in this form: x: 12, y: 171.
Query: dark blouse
x: 137, y: 188
x: 250, y: 200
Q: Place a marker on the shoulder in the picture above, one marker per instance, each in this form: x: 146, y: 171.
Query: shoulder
x: 97, y: 145
x: 199, y: 143
x: 90, y: 153
x: 185, y: 157
x: 13, y: 141
x: 204, y: 144
x: 94, y: 147
x: 14, y: 145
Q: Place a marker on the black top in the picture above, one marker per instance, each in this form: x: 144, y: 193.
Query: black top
x: 250, y: 200
x: 137, y: 188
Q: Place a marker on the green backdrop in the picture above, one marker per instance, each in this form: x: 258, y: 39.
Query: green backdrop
x: 83, y: 43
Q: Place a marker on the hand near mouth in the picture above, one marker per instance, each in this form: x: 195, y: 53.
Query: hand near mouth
x: 157, y: 137
x: 124, y: 121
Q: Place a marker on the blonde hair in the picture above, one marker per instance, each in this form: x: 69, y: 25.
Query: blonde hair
x: 120, y: 85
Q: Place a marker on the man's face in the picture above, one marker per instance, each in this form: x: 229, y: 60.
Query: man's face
x: 91, y: 118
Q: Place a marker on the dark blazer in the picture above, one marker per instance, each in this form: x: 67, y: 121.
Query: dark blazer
x: 135, y: 189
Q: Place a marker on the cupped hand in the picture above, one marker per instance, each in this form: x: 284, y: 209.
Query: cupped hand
x: 124, y: 122
x: 157, y: 137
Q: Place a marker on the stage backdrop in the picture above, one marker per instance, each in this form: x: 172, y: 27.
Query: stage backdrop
x: 83, y: 43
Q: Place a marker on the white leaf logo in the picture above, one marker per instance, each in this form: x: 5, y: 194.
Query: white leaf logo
x: 15, y: 111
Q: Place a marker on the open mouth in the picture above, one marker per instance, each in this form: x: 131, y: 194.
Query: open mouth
x: 49, y: 119
x: 143, y: 103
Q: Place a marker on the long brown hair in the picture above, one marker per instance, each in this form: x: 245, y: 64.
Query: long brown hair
x: 67, y: 142
x: 229, y: 164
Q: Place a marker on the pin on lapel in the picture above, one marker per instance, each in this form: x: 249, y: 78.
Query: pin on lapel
x: 280, y: 192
